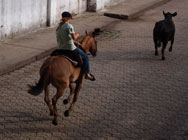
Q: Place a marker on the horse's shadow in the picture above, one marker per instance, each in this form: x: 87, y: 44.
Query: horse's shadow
x: 21, y: 122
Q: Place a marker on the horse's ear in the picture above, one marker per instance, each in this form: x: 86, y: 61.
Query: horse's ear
x: 86, y: 32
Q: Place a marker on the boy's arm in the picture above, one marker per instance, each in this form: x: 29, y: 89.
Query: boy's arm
x: 75, y: 36
x: 77, y: 43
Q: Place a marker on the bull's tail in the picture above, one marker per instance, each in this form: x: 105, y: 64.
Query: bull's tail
x: 38, y: 88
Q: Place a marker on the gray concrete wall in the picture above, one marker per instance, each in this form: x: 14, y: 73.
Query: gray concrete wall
x: 96, y: 5
x: 18, y: 16
x: 58, y: 6
x: 22, y: 16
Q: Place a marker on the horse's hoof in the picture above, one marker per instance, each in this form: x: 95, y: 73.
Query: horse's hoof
x: 54, y: 122
x: 170, y: 49
x: 65, y: 102
x: 156, y: 54
x: 163, y: 58
x: 66, y: 113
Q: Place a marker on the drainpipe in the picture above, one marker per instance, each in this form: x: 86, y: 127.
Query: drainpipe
x: 49, y: 3
x: 51, y: 12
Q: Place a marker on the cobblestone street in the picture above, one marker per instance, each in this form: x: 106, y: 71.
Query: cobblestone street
x: 136, y: 96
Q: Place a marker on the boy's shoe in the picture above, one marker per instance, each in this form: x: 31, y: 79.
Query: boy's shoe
x: 90, y: 77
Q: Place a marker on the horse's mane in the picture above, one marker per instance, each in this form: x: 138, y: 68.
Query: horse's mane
x: 85, y: 39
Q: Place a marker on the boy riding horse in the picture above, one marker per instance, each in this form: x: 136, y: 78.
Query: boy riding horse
x: 66, y: 38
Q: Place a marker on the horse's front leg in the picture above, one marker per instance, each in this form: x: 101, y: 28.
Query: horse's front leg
x: 72, y: 89
x: 47, y: 100
x: 76, y: 94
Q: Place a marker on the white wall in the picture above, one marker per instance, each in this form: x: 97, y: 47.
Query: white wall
x: 18, y: 16
x: 21, y: 16
x: 96, y: 5
x: 73, y: 6
x: 100, y: 4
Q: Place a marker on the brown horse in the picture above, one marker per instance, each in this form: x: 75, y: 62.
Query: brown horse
x: 60, y: 72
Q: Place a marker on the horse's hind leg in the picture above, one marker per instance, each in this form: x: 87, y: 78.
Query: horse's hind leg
x: 59, y: 93
x: 47, y: 99
x: 72, y: 89
x: 77, y: 90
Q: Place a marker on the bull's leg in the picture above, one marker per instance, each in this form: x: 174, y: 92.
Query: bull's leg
x: 71, y: 86
x: 156, y: 46
x: 172, y: 42
x: 163, y: 49
x: 59, y: 93
x: 76, y: 94
x: 47, y: 100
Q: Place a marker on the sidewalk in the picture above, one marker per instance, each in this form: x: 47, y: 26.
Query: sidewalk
x: 17, y: 52
x: 132, y: 8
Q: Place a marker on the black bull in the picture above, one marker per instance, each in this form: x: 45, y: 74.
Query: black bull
x: 164, y: 31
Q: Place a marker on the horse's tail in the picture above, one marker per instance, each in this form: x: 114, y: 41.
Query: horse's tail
x: 38, y: 87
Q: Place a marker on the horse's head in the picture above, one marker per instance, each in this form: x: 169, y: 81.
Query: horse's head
x: 89, y: 44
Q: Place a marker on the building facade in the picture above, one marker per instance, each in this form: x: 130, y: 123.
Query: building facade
x: 22, y: 16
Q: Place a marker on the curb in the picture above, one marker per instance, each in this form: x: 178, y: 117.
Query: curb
x: 26, y: 62
x: 118, y: 16
x: 138, y: 13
